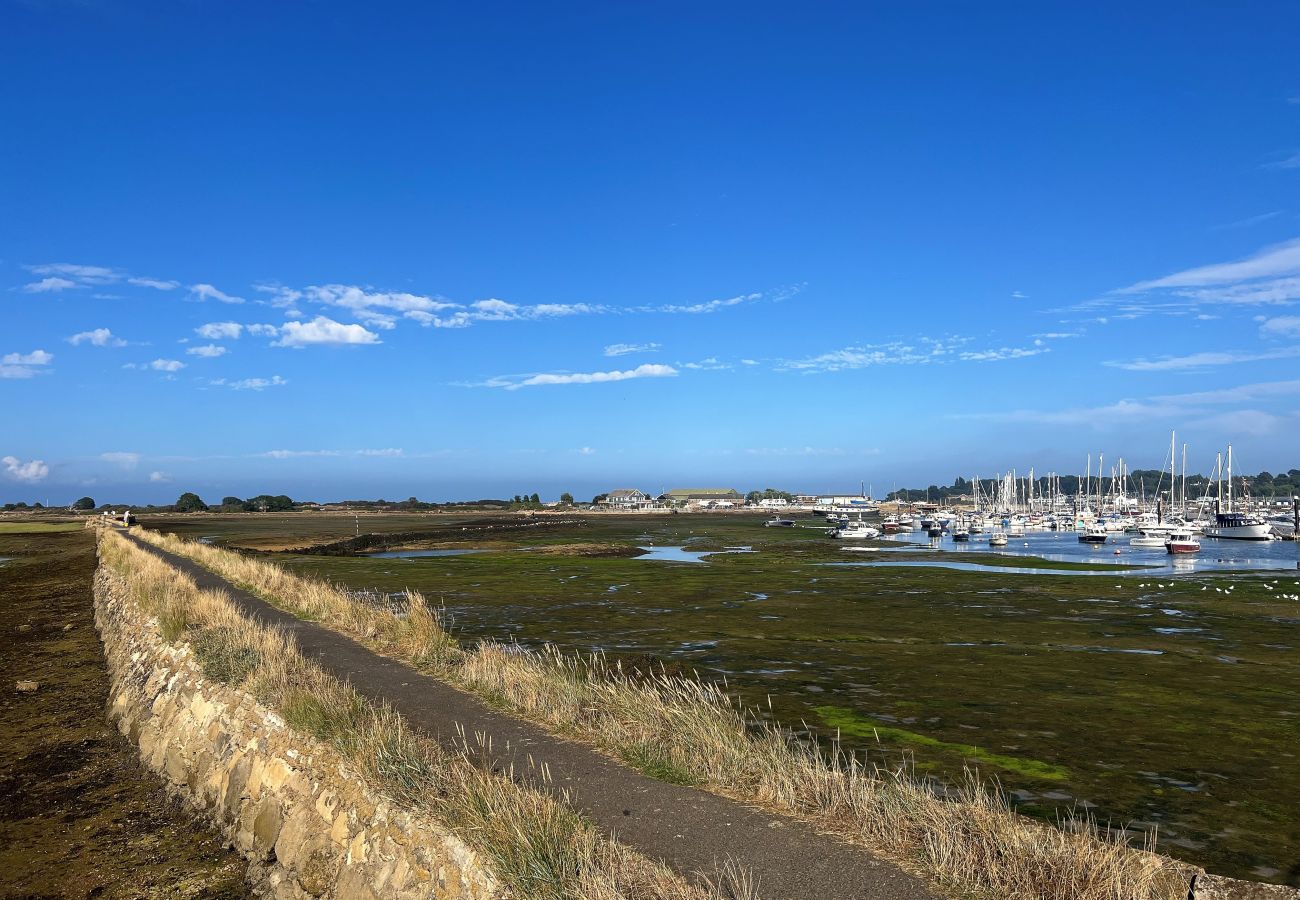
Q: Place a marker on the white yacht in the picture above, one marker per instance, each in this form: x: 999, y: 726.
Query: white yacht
x: 856, y: 530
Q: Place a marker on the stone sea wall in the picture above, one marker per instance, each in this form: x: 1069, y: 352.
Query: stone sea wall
x: 305, y: 820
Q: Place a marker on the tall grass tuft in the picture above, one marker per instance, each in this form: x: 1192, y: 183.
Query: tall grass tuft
x: 690, y: 731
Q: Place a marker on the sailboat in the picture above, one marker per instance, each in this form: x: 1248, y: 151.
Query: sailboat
x: 1237, y: 526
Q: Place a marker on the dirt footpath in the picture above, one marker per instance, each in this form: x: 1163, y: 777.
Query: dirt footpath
x: 79, y: 816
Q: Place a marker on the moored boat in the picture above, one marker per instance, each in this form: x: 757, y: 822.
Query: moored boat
x: 1094, y: 534
x: 998, y: 538
x: 1182, y: 541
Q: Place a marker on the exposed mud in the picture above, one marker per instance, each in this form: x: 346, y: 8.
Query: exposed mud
x: 79, y: 816
x: 468, y: 531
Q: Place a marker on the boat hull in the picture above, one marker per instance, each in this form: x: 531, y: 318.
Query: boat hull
x: 1256, y: 532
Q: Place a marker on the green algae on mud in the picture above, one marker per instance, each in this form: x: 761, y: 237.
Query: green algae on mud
x: 846, y: 721
x: 1167, y: 703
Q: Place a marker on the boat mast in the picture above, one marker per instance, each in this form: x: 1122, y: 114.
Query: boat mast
x: 1229, y: 478
x: 1183, y: 499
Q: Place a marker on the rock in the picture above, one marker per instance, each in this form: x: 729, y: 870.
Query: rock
x: 68, y: 627
x: 28, y: 687
x: 1216, y: 887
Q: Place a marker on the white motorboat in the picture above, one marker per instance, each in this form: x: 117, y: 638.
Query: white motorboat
x: 1148, y: 539
x: 998, y: 538
x: 1237, y: 526
x: 856, y: 530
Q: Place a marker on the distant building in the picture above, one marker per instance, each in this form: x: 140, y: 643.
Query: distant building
x: 627, y: 498
x: 704, y: 498
x: 774, y: 503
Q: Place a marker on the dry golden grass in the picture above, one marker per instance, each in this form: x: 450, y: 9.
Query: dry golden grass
x: 690, y: 731
x: 537, y: 843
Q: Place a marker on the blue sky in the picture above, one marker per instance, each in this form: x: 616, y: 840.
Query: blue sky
x: 464, y: 250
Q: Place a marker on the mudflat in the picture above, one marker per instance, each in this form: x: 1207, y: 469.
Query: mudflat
x: 79, y: 816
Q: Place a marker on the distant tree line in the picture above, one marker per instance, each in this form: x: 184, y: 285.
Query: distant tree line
x: 1142, y: 482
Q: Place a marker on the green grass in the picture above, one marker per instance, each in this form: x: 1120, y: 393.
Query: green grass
x: 38, y: 527
x: 847, y: 722
x: 1023, y: 666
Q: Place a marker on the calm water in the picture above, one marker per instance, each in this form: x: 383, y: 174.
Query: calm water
x: 681, y: 554
x: 1064, y: 546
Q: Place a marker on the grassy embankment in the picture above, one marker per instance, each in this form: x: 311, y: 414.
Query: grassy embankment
x: 537, y: 844
x: 690, y: 731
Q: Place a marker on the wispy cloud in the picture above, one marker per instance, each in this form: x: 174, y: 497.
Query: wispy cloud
x: 30, y: 472
x: 323, y: 331
x: 159, y: 477
x: 625, y: 349
x: 209, y: 292
x: 1281, y: 327
x: 220, y: 331
x: 922, y: 351
x: 1251, y: 220
x: 64, y: 276
x: 549, y: 378
x: 166, y: 365
x: 123, y: 458
x: 296, y: 454
x: 1202, y: 360
x: 207, y: 351
x: 1288, y: 162
x: 250, y: 384
x: 50, y: 285
x: 98, y: 337
x: 157, y: 284
x: 1198, y: 406
x: 381, y: 451
x: 1279, y: 259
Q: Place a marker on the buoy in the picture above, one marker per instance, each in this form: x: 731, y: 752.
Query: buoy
x: 1117, y: 553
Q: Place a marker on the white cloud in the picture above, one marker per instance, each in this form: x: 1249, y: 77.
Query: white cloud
x: 1279, y: 259
x: 31, y: 472
x: 1002, y: 353
x: 323, y: 330
x: 711, y: 306
x: 155, y: 283
x: 294, y: 454
x: 256, y: 384
x: 99, y: 337
x: 1202, y: 360
x: 643, y: 371
x: 35, y: 358
x: 382, y: 451
x: 263, y: 330
x: 1018, y: 295
x: 167, y: 365
x: 1197, y: 406
x: 1281, y: 326
x: 159, y: 477
x: 208, y: 292
x: 625, y: 349
x: 219, y: 331
x: 49, y: 285
x: 121, y: 458
x: 208, y: 351
x: 586, y: 451
x: 84, y: 274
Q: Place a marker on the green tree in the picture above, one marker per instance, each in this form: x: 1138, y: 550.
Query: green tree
x: 190, y: 502
x: 535, y: 500
x: 231, y: 501
x: 85, y: 504
x: 566, y: 498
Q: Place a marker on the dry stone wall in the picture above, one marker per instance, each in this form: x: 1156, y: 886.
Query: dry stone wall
x: 305, y: 820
